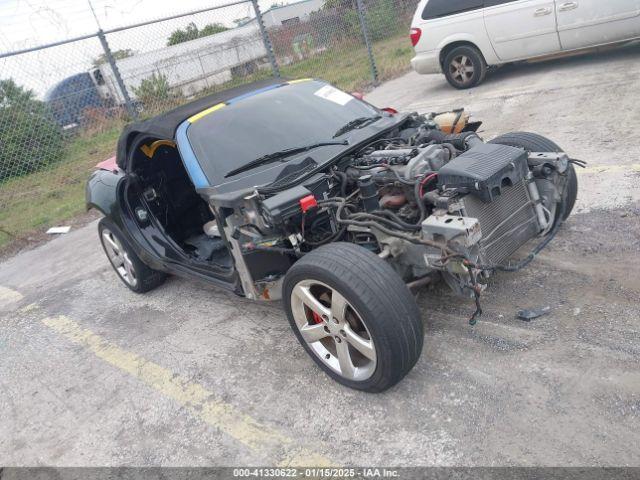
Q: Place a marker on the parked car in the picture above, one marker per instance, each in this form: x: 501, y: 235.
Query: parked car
x: 295, y: 190
x: 461, y: 38
x: 71, y: 98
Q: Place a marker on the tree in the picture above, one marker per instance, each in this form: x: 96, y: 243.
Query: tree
x: 117, y: 55
x: 212, y: 29
x: 191, y: 32
x: 13, y: 95
x: 30, y: 139
x: 339, y: 4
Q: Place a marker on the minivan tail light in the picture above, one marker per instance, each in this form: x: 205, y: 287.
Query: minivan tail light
x: 415, y: 35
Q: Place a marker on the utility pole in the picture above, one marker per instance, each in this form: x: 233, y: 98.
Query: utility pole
x: 131, y: 110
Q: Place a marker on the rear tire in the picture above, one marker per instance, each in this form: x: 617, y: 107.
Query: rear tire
x: 533, y: 142
x: 137, y: 276
x: 464, y: 67
x: 365, y: 329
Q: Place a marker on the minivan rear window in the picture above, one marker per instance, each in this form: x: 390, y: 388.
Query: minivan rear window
x: 443, y: 8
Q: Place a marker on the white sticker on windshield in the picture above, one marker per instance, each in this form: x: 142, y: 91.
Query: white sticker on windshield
x: 334, y: 95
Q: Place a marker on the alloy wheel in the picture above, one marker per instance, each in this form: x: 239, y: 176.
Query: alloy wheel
x: 119, y: 258
x: 462, y: 69
x: 333, y: 330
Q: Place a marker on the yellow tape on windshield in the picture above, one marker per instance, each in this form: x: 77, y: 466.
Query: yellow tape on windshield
x: 206, y: 112
x: 300, y: 80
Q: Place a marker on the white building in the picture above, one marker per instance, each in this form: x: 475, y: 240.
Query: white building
x: 292, y: 13
x: 189, y: 66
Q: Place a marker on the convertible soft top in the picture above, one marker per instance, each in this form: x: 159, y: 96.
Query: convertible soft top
x: 164, y: 126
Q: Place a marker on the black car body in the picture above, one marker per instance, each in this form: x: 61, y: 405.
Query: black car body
x: 297, y: 190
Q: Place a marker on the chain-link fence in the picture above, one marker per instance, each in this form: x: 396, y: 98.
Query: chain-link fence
x: 63, y: 105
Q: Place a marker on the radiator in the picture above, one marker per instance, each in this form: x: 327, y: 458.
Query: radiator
x: 507, y: 223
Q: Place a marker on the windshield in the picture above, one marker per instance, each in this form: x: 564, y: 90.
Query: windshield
x: 286, y: 117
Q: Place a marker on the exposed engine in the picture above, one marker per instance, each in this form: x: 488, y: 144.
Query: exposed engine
x: 426, y: 200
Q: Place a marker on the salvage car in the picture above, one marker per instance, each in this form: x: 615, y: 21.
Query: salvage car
x: 296, y: 190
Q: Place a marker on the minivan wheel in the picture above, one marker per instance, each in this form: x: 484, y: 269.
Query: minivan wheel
x: 354, y: 316
x: 464, y: 67
x: 127, y: 265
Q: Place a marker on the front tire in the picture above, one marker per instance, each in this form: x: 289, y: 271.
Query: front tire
x: 137, y: 276
x: 464, y: 67
x: 354, y: 316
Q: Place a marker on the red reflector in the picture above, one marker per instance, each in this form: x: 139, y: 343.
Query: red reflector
x: 308, y: 202
x: 415, y: 35
x: 390, y: 110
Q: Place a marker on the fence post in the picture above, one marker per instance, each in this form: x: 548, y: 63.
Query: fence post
x: 367, y: 41
x: 131, y: 110
x: 266, y: 40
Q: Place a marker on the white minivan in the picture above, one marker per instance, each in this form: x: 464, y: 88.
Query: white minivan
x: 461, y: 38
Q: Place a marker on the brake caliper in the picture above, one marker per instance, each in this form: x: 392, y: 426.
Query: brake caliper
x: 316, y: 318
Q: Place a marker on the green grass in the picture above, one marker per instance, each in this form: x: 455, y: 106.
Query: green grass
x: 55, y: 194
x: 349, y: 68
x: 51, y: 196
x: 346, y: 65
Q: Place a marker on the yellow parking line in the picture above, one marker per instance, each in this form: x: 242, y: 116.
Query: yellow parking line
x: 193, y: 396
x: 7, y: 296
x: 634, y: 167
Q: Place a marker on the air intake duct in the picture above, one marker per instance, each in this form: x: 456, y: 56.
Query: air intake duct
x: 485, y: 170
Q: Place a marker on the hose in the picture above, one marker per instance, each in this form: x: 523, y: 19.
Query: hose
x: 329, y: 239
x: 400, y: 179
x: 375, y: 224
x: 362, y: 216
x: 343, y: 178
x: 464, y: 140
x: 428, y: 176
x: 396, y: 218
